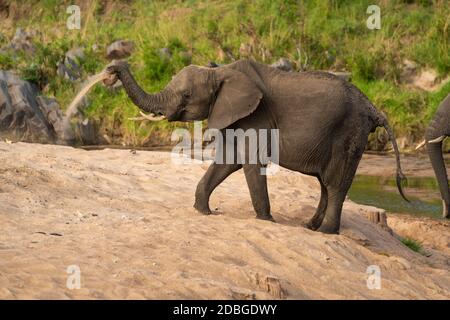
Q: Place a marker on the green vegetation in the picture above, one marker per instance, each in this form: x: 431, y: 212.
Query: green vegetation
x: 320, y: 34
x: 414, y: 245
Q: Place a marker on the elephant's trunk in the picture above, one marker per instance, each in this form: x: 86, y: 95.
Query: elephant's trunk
x: 151, y: 103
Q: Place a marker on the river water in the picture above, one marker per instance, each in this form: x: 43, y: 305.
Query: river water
x: 375, y: 184
x: 382, y: 192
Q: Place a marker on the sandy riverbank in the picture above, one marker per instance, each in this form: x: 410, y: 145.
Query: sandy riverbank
x: 126, y: 219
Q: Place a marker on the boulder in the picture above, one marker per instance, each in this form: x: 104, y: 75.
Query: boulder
x: 53, y: 114
x: 24, y: 114
x: 75, y: 54
x: 283, y: 64
x: 119, y: 49
x: 22, y: 41
x: 347, y: 76
x: 70, y: 68
x: 86, y: 132
x: 165, y: 53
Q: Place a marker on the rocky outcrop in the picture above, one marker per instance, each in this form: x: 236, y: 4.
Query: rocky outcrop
x: 119, y: 49
x: 22, y: 42
x: 425, y: 79
x: 25, y: 115
x: 70, y: 68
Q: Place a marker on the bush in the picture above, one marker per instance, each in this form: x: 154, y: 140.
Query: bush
x: 412, y: 244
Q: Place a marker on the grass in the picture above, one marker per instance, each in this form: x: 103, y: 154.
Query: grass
x: 414, y: 245
x: 322, y: 34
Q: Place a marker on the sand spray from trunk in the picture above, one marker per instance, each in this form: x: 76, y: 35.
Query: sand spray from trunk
x: 72, y: 109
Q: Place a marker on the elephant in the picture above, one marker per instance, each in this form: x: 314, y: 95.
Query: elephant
x: 323, y: 124
x: 437, y: 131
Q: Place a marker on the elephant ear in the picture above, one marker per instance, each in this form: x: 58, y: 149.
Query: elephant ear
x: 238, y: 97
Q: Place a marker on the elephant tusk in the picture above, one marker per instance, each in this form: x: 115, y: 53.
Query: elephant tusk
x: 149, y: 117
x: 420, y: 145
x: 445, y: 212
x: 437, y: 140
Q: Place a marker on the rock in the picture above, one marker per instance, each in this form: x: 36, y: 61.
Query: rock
x: 21, y: 35
x: 283, y: 64
x: 22, y: 42
x: 70, y: 69
x: 24, y: 114
x: 75, y: 54
x: 54, y: 115
x: 119, y: 49
x: 71, y: 72
x: 86, y: 132
x: 409, y: 70
x: 426, y: 80
x: 347, y: 76
x: 409, y: 65
x: 165, y: 53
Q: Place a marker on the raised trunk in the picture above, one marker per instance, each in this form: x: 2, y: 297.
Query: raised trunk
x: 147, y: 102
x: 437, y: 160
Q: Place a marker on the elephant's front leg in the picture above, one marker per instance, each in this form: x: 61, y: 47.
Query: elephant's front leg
x: 215, y: 174
x: 257, y: 184
x: 318, y: 217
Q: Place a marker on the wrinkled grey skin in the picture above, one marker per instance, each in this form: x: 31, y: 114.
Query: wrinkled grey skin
x: 437, y: 130
x: 323, y: 125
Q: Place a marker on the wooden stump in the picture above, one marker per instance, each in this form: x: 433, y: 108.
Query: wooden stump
x: 380, y: 218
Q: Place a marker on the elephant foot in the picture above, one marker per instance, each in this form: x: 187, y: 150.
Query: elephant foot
x: 329, y: 228
x: 313, y: 224
x: 267, y: 217
x: 202, y: 208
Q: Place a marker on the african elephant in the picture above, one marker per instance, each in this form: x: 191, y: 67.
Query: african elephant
x: 323, y: 124
x: 437, y: 131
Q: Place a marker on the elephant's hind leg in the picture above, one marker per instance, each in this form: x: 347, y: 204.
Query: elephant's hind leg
x: 257, y: 184
x: 332, y: 220
x: 318, y: 217
x: 215, y: 174
x: 337, y: 183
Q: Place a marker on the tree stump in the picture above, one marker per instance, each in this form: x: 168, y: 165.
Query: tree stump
x: 380, y: 218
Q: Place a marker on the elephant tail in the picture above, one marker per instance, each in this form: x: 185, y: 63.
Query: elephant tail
x: 400, y: 177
